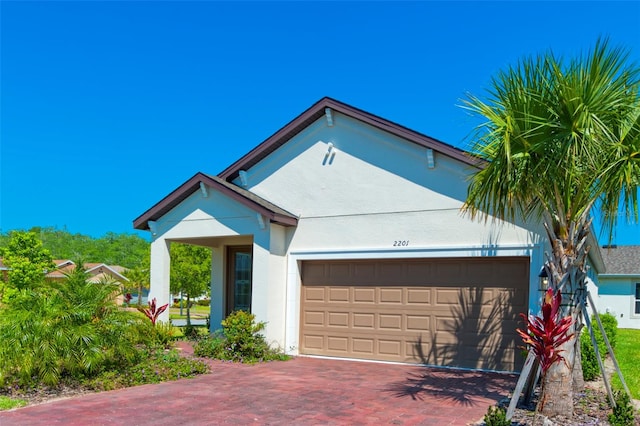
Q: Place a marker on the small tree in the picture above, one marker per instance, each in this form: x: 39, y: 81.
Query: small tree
x: 28, y: 261
x: 190, y: 272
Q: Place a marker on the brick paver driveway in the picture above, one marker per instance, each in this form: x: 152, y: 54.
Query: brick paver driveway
x: 302, y: 391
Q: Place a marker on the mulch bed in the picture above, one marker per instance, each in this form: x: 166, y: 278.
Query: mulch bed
x: 590, y: 407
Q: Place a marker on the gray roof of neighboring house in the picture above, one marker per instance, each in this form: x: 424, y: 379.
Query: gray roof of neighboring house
x: 621, y: 260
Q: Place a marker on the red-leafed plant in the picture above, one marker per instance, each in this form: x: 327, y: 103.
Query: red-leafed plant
x: 545, y: 334
x: 153, y: 311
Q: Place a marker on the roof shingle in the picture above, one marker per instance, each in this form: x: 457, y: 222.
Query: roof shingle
x: 622, y: 260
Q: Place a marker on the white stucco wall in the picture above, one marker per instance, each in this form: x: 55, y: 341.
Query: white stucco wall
x: 371, y: 190
x: 617, y: 296
x: 370, y: 196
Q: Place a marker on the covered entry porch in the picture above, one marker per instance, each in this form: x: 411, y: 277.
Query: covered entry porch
x: 247, y: 237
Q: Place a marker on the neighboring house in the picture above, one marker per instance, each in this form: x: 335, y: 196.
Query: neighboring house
x: 343, y: 232
x: 97, y: 272
x: 619, y: 286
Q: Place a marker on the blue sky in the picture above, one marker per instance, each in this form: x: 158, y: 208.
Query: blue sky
x: 106, y: 107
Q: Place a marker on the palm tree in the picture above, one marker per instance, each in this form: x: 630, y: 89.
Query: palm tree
x: 561, y: 141
x: 138, y: 279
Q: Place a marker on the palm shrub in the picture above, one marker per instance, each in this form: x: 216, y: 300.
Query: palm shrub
x: 72, y: 328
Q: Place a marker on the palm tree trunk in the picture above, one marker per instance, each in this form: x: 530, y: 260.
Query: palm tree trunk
x: 566, y: 268
x: 556, y: 397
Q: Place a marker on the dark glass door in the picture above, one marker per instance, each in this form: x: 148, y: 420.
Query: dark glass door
x: 239, y: 279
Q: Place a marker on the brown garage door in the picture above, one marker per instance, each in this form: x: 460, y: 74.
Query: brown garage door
x: 459, y: 312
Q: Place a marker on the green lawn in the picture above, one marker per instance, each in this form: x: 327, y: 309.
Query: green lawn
x: 197, y: 311
x: 628, y: 355
x: 7, y: 403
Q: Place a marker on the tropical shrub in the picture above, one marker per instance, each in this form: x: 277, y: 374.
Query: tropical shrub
x: 590, y: 366
x: 545, y: 335
x: 496, y: 416
x: 622, y: 414
x: 153, y: 311
x: 240, y: 341
x: 610, y: 325
x: 214, y: 346
x: 67, y: 329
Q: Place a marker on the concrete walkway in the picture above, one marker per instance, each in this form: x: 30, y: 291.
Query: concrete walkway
x: 302, y: 391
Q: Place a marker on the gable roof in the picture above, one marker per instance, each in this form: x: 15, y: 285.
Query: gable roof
x: 316, y: 111
x: 223, y: 182
x: 271, y: 211
x: 621, y: 260
x: 66, y: 266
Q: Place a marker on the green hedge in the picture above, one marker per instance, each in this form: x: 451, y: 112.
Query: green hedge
x: 590, y: 367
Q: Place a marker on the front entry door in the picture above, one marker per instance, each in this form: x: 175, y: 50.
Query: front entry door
x: 239, y: 262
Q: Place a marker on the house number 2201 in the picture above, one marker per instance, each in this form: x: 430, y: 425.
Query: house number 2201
x: 401, y: 243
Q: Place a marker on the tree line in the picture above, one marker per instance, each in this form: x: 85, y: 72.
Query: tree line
x: 127, y: 250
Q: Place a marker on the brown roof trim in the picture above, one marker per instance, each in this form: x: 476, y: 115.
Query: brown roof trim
x: 254, y: 202
x: 316, y: 111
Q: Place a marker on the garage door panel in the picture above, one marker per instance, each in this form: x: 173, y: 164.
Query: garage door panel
x: 418, y: 322
x: 338, y: 273
x: 314, y: 342
x: 313, y: 318
x: 421, y: 296
x: 390, y: 347
x: 339, y: 294
x: 364, y: 273
x: 390, y: 321
x: 391, y: 273
x: 314, y: 274
x: 455, y: 312
x: 363, y: 346
x: 338, y: 319
x: 364, y: 320
x: 338, y: 344
x: 390, y: 295
x: 315, y: 294
x: 364, y: 295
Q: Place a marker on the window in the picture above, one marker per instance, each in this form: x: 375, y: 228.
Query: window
x: 637, y: 311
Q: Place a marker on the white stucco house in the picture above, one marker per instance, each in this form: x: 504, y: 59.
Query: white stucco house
x: 619, y: 286
x: 343, y: 232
